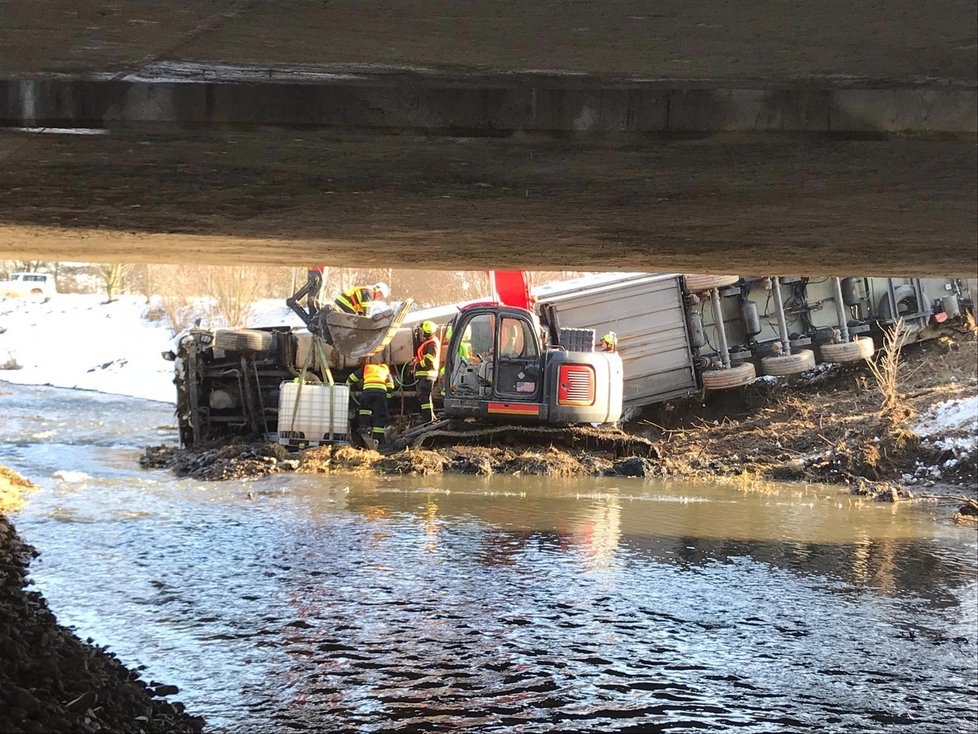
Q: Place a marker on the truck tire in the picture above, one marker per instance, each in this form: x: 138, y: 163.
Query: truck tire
x: 222, y: 400
x: 783, y: 365
x: 577, y: 340
x: 854, y: 351
x: 700, y: 283
x: 726, y: 379
x: 243, y: 341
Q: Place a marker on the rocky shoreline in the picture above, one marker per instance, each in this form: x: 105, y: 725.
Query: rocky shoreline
x: 50, y: 680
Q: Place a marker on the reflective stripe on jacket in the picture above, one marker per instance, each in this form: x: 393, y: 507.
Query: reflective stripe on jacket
x: 428, y: 358
x: 355, y: 299
x: 377, y: 377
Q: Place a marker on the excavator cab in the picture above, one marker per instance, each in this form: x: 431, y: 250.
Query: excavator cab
x: 494, y: 353
x: 496, y: 366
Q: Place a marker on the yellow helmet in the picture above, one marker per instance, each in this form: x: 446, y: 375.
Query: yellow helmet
x: 611, y: 339
x: 428, y: 327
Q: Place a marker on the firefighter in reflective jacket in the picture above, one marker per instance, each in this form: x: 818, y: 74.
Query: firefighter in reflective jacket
x: 376, y: 383
x: 355, y: 299
x: 426, y: 364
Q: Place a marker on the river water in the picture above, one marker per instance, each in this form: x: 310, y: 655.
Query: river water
x: 314, y: 603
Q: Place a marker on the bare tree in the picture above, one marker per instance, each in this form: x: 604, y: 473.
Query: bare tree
x: 113, y: 277
x: 233, y: 290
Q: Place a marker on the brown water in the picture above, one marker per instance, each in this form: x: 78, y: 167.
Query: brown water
x: 502, y: 604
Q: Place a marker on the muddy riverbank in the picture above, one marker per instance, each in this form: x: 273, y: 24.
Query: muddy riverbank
x: 824, y: 427
x: 50, y: 680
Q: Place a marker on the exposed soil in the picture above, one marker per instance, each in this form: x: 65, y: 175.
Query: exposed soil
x: 824, y: 427
x: 216, y: 461
x: 51, y: 681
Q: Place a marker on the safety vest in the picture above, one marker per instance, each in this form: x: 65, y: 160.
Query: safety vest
x: 377, y: 377
x: 356, y: 298
x: 427, y: 361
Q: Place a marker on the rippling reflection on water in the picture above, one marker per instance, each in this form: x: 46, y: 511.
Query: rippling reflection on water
x: 508, y: 604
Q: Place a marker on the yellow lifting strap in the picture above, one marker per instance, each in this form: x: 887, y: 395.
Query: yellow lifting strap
x: 328, y: 374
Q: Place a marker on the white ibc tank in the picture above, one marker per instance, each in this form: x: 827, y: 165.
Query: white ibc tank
x: 319, y: 408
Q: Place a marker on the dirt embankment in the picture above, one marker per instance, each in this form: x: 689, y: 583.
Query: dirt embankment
x: 572, y: 452
x: 51, y: 681
x: 825, y: 427
x: 828, y: 427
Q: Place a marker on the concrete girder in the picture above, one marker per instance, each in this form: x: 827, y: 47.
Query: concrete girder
x: 892, y: 42
x: 478, y: 104
x: 716, y: 203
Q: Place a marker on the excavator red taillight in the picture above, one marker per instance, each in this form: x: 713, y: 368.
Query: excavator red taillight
x: 575, y: 385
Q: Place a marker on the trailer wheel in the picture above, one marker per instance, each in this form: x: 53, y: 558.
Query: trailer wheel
x: 789, y: 364
x: 726, y: 379
x: 243, y: 341
x: 854, y: 351
x: 700, y: 283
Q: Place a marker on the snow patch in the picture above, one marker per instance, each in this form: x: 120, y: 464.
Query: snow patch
x: 951, y: 415
x: 79, y: 341
x: 950, y: 427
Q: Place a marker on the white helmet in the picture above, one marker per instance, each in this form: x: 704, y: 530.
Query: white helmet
x: 383, y: 289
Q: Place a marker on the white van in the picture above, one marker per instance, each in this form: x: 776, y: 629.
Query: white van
x: 26, y: 284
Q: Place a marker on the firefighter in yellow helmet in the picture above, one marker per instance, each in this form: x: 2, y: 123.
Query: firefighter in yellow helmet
x: 609, y: 342
x: 355, y: 299
x: 376, y: 384
x: 426, y: 366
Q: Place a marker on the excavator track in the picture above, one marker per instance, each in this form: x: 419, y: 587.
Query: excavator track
x: 586, y: 438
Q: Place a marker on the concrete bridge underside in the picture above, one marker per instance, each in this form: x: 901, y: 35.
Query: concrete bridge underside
x: 635, y: 135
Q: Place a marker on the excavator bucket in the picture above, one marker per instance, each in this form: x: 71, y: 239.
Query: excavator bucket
x: 357, y: 337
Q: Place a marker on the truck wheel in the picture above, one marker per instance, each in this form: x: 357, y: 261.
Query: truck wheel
x: 789, y: 364
x: 725, y: 379
x: 222, y: 400
x: 242, y: 340
x: 700, y: 283
x: 861, y: 348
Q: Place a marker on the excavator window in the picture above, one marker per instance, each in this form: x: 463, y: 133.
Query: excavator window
x: 518, y: 369
x: 472, y: 373
x: 516, y: 339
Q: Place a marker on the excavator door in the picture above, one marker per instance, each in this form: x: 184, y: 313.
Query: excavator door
x: 494, y: 365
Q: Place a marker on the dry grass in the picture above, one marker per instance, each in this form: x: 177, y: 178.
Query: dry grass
x: 825, y: 431
x: 12, y: 489
x: 894, y: 410
x: 970, y: 324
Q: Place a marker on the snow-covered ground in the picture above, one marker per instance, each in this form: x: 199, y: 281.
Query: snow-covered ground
x: 951, y: 427
x: 79, y: 341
